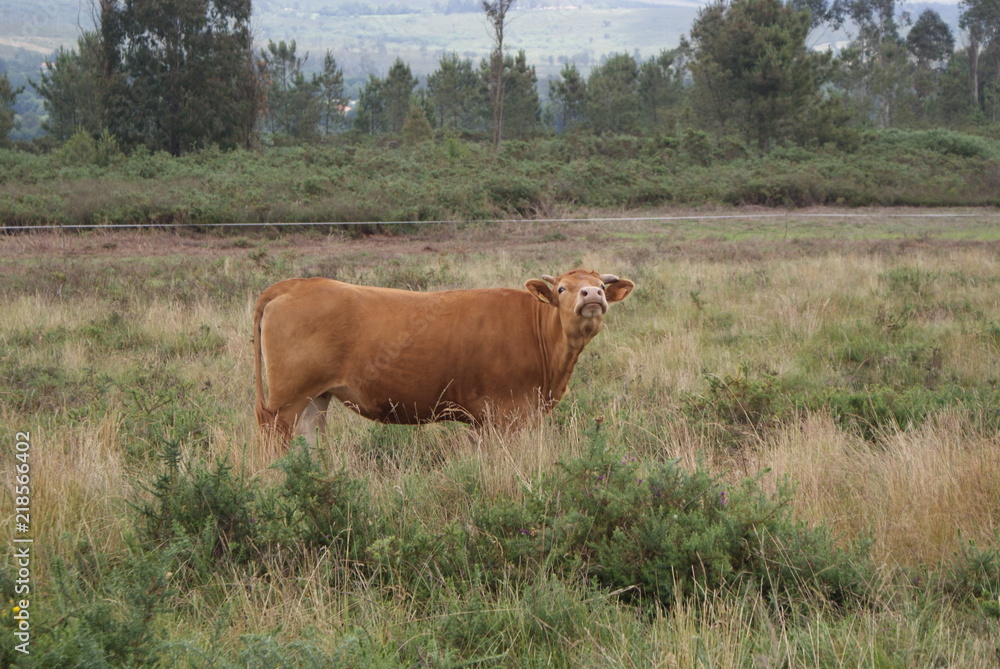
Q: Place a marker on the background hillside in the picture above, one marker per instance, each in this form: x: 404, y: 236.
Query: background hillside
x: 370, y: 40
x: 366, y: 36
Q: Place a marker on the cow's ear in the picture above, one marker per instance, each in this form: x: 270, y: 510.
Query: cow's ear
x: 541, y: 290
x: 618, y: 290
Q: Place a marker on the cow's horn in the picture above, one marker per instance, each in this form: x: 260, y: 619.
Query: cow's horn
x: 608, y: 278
x: 550, y: 279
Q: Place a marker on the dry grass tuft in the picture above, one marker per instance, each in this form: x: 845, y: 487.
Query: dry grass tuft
x: 917, y: 494
x: 80, y: 485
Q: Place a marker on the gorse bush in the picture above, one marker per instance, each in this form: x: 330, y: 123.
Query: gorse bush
x: 210, y: 509
x: 221, y: 517
x: 104, y: 617
x: 667, y: 532
x: 317, y: 509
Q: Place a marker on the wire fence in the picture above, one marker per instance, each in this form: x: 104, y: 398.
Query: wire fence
x: 496, y: 221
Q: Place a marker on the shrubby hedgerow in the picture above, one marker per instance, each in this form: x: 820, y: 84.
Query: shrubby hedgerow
x: 348, y: 180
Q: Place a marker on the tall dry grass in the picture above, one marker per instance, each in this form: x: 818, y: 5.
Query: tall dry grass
x: 916, y: 495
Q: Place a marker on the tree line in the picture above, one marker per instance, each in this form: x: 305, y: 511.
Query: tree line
x: 178, y: 75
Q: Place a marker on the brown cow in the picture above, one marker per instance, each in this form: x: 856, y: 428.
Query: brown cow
x: 398, y: 356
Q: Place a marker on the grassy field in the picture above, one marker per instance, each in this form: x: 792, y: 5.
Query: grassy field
x: 781, y: 451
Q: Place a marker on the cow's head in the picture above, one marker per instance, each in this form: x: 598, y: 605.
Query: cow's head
x: 582, y: 298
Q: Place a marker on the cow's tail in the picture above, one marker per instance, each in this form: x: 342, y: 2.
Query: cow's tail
x: 265, y: 417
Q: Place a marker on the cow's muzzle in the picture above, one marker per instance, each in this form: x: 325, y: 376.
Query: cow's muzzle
x: 592, y: 308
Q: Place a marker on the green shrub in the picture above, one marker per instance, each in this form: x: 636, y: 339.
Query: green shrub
x: 80, y: 149
x: 662, y: 531
x: 513, y: 194
x: 104, y: 619
x: 221, y: 516
x: 313, y: 508
x: 696, y: 147
x: 209, y: 509
x: 940, y: 141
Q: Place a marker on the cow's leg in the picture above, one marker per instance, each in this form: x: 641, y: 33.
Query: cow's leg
x: 312, y: 419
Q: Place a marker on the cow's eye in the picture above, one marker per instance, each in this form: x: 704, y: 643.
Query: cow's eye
x: 562, y: 289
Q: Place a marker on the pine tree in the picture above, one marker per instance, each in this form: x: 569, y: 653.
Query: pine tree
x: 457, y: 95
x: 293, y: 103
x: 70, y: 87
x: 8, y: 94
x: 371, y: 117
x: 398, y: 89
x: 522, y: 111
x: 659, y: 88
x: 752, y: 71
x: 612, y: 102
x: 569, y: 96
x: 930, y: 39
x: 416, y: 127
x: 329, y: 85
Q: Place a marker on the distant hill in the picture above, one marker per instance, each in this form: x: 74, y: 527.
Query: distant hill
x: 550, y: 33
x: 366, y: 36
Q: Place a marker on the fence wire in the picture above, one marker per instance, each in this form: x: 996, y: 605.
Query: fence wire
x: 495, y: 221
